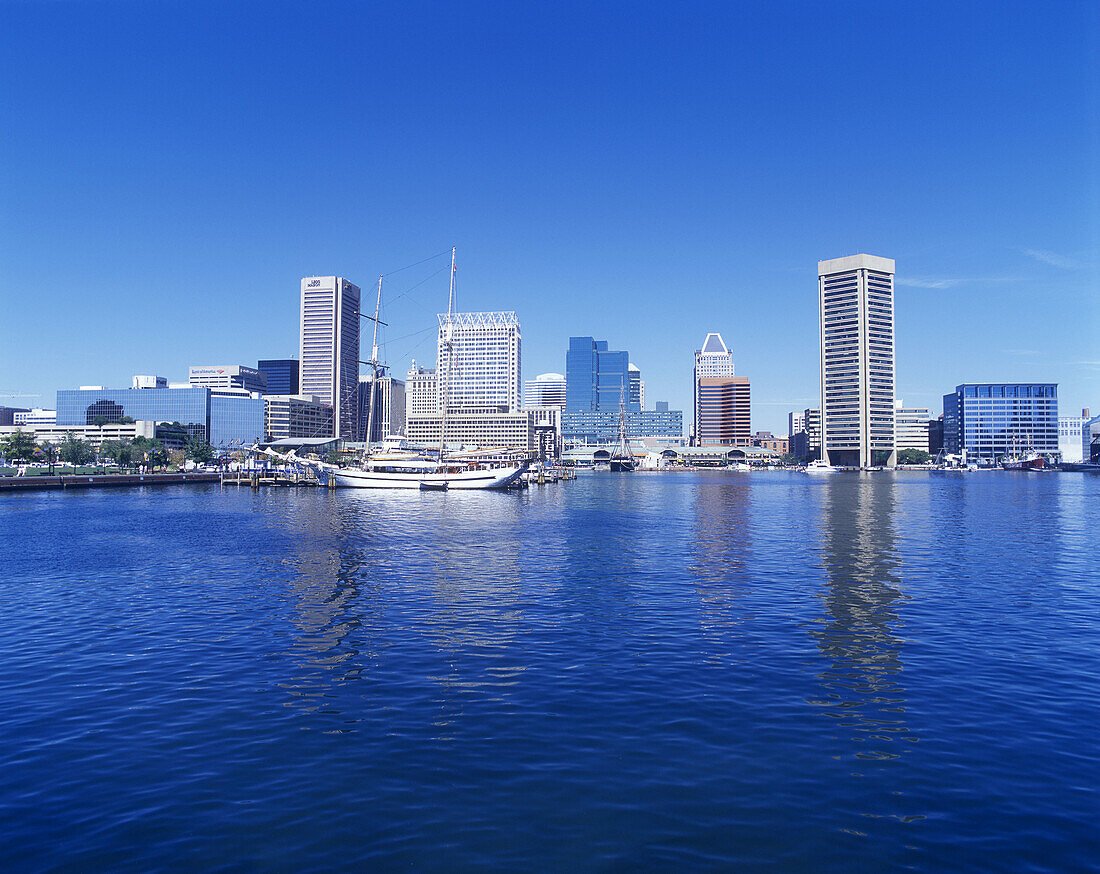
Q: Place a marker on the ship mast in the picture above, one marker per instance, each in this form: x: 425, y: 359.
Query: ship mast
x: 373, y: 365
x: 448, y: 344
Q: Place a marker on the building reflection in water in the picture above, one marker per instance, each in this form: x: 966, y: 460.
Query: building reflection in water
x: 720, y: 559
x: 857, y: 636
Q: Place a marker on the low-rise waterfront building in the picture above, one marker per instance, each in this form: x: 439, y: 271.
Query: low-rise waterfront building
x: 223, y: 421
x: 296, y: 416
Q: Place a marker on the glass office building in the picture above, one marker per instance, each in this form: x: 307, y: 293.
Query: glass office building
x: 597, y: 379
x: 990, y: 420
x: 223, y: 421
x: 282, y: 375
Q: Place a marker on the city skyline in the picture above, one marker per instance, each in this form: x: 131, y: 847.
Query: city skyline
x: 685, y: 177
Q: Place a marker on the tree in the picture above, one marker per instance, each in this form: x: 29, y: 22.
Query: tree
x: 126, y: 420
x: 119, y: 451
x: 149, y: 451
x: 75, y: 451
x: 99, y: 421
x: 19, y: 446
x: 48, y: 452
x: 913, y: 456
x: 199, y: 451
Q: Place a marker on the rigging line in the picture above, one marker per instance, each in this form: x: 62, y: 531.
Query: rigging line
x: 420, y: 283
x: 407, y: 266
x: 414, y: 334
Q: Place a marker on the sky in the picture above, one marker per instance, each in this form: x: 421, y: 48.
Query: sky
x: 644, y: 173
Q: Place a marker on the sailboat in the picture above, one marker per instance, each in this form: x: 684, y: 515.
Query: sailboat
x: 403, y: 469
x: 621, y: 459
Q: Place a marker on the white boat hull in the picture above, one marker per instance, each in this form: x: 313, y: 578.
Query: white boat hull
x: 491, y: 478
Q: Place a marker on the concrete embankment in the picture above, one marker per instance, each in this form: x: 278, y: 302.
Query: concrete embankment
x: 71, y: 481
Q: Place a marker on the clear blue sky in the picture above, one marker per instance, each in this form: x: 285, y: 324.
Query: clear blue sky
x: 644, y: 173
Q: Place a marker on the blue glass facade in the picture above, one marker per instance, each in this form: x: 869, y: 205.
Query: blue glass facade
x: 282, y: 375
x: 222, y: 420
x: 236, y: 422
x: 596, y: 377
x: 992, y: 420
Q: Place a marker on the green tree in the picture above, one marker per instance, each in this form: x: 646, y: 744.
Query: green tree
x: 19, y: 446
x: 99, y: 421
x: 913, y: 456
x: 199, y: 451
x: 75, y: 451
x: 119, y: 451
x: 48, y: 453
x: 149, y: 451
x: 126, y: 420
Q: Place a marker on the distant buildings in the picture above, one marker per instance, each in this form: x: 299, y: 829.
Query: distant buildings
x: 1070, y: 432
x: 1090, y: 441
x: 421, y: 397
x: 8, y: 414
x: 329, y: 348
x: 856, y: 310
x: 226, y: 376
x: 389, y: 408
x: 599, y: 381
x: 545, y: 390
x: 911, y: 428
x: 722, y: 408
x: 805, y: 443
x: 994, y: 419
x: 281, y: 375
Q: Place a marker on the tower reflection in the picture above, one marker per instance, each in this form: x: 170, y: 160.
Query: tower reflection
x: 857, y: 634
x: 720, y: 559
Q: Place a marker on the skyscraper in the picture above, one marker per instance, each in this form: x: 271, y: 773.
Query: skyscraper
x: 721, y: 399
x: 597, y: 380
x: 856, y: 310
x: 281, y: 375
x: 329, y: 353
x: 482, y: 371
x: 990, y: 420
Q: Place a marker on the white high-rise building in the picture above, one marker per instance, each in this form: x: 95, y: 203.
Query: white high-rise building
x: 482, y: 371
x: 389, y: 408
x: 856, y: 310
x: 329, y: 351
x: 796, y: 423
x: 545, y: 390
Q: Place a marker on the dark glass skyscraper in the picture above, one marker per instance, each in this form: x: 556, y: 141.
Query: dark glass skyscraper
x: 282, y: 375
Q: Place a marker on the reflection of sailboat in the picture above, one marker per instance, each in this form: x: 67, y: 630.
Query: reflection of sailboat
x: 415, y: 470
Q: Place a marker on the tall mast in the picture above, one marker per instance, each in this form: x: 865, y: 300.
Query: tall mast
x: 374, y: 364
x: 448, y: 344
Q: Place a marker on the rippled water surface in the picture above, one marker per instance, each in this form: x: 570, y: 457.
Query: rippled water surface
x: 746, y: 672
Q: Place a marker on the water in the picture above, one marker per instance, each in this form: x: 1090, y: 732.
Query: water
x: 751, y: 672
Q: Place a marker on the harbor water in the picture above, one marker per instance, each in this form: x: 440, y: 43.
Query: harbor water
x: 680, y: 671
